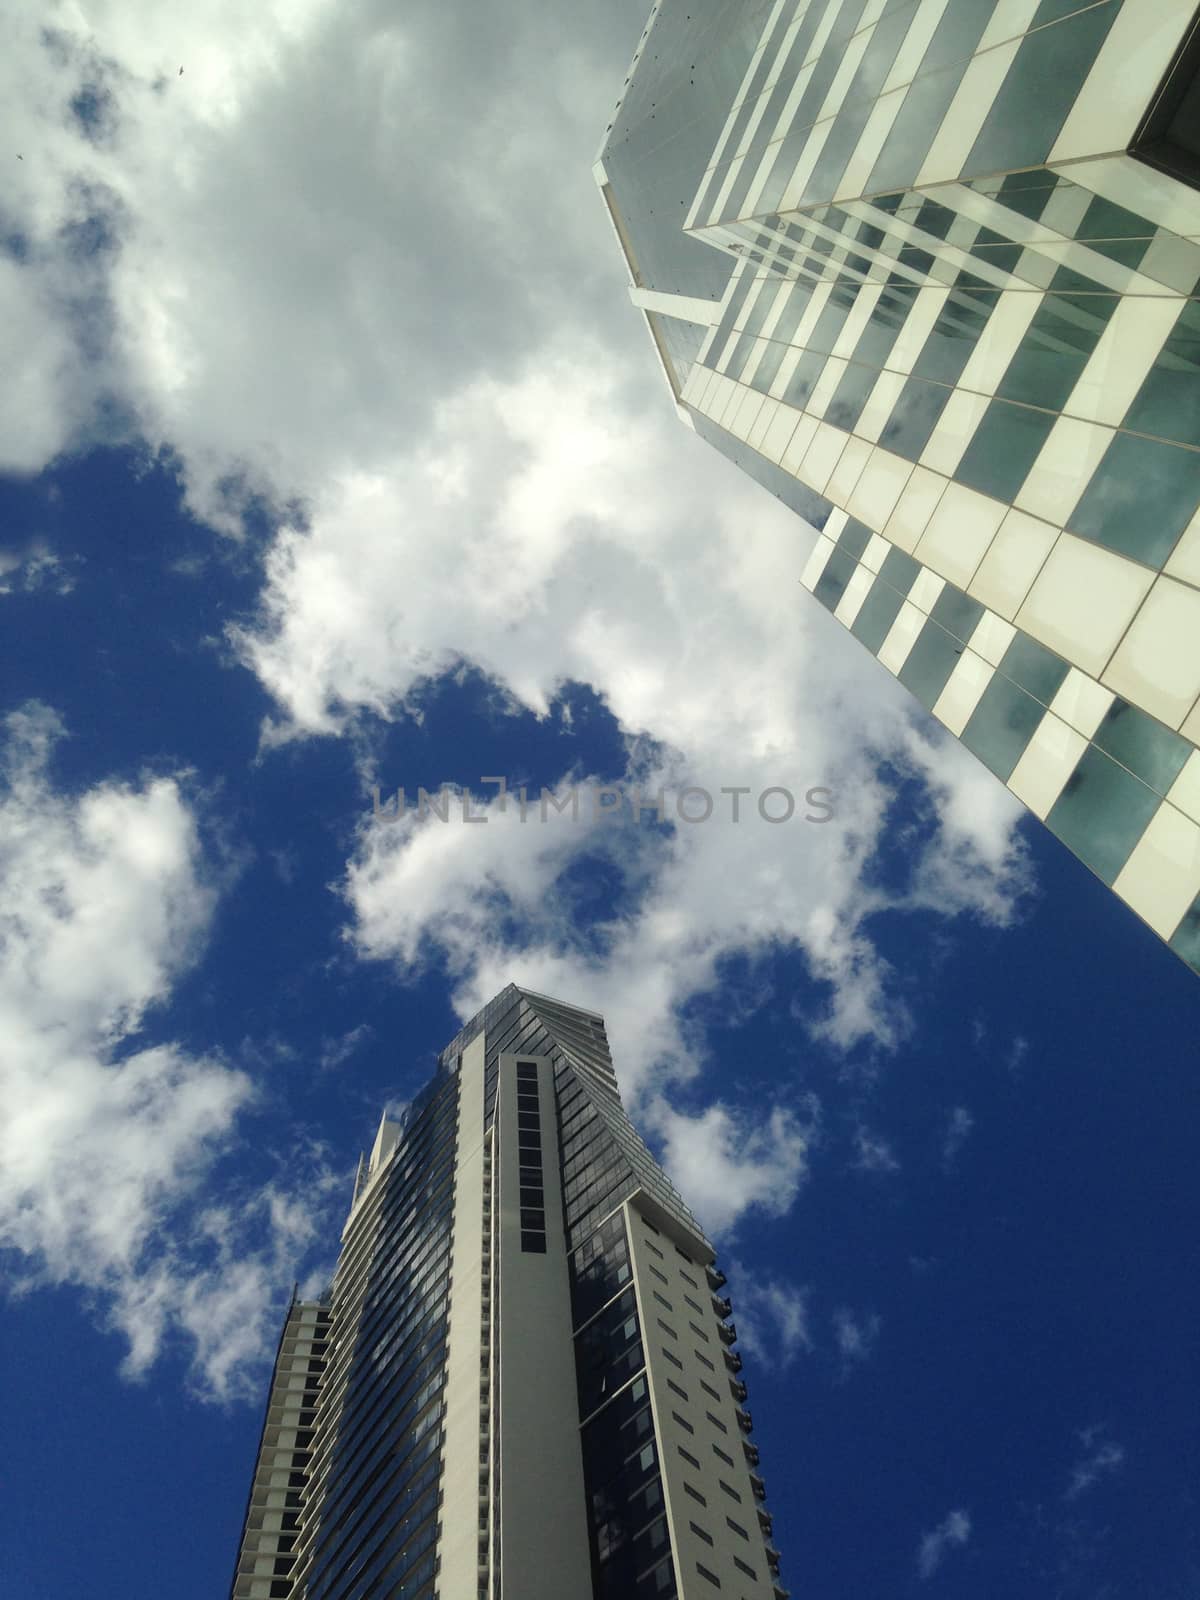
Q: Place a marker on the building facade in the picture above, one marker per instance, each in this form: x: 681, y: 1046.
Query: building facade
x: 928, y: 271
x: 522, y: 1381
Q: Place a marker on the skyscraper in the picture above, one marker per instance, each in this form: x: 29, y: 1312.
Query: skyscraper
x: 522, y: 1382
x: 928, y: 271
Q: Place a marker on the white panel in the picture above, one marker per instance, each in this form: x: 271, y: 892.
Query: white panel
x: 835, y: 522
x: 1185, y: 791
x: 1157, y: 664
x: 831, y: 376
x: 852, y: 54
x: 1048, y: 761
x: 876, y: 553
x: 1083, y: 600
x: 801, y: 439
x: 846, y: 474
x: 879, y: 487
x: 966, y: 114
x: 1184, y: 560
x: 1172, y: 261
x: 992, y: 637
x: 734, y: 396
x: 688, y: 308
x: 1162, y: 876
x: 1009, y: 19
x: 1013, y: 560
x: 459, y: 1549
x: 959, y: 532
x: 813, y: 146
x: 1139, y: 189
x: 766, y: 416
x: 860, y: 314
x: 816, y: 563
x: 908, y: 58
x: 1082, y: 702
x: 963, y: 691
x: 903, y: 635
x: 870, y: 145
x: 954, y: 431
x: 926, y: 590
x: 750, y: 366
x: 911, y: 339
x: 779, y: 433
x: 1128, y: 69
x: 1124, y: 355
x: 881, y: 402
x: 822, y: 456
x: 914, y: 508
x: 853, y: 595
x: 1006, y: 327
x: 1064, y: 464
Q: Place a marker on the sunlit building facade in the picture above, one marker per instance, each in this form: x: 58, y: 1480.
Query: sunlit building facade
x: 928, y: 271
x: 522, y: 1382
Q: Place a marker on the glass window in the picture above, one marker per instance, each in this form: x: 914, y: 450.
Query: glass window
x: 1038, y: 91
x: 1051, y: 357
x: 1140, y: 498
x: 876, y: 614
x: 914, y: 417
x: 899, y: 570
x: 1003, y: 448
x: 851, y: 395
x: 1169, y: 137
x: 930, y: 662
x: 1002, y: 725
x: 854, y: 538
x: 1102, y: 813
x: 957, y: 613
x: 1037, y: 670
x: 831, y: 585
x: 1186, y: 942
x: 1168, y: 403
x: 1147, y: 748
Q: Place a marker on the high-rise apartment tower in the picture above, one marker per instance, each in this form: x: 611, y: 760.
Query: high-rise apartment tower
x: 522, y: 1382
x: 928, y: 271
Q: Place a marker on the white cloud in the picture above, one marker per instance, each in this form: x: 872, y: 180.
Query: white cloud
x: 855, y: 1335
x: 958, y: 1129
x: 772, y: 1318
x: 106, y: 1136
x: 337, y: 1051
x: 35, y: 568
x: 727, y: 1162
x: 951, y: 1533
x: 1017, y: 1051
x: 873, y: 1153
x: 1099, y: 1457
x: 302, y: 271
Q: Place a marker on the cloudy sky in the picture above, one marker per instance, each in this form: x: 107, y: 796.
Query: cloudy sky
x: 332, y: 458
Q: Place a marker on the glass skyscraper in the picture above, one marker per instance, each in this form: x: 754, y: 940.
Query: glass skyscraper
x: 928, y: 271
x: 522, y: 1382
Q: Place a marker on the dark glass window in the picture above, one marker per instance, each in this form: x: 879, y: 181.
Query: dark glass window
x: 1101, y: 813
x: 1147, y: 748
x: 1169, y: 137
x: 1140, y: 498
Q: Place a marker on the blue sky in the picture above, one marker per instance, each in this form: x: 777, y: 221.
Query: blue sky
x: 322, y: 470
